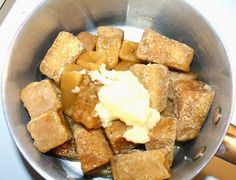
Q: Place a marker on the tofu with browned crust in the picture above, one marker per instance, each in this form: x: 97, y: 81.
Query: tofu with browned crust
x: 114, y: 134
x: 65, y: 50
x: 128, y: 51
x: 104, y: 171
x: 88, y: 40
x: 192, y: 100
x: 86, y: 100
x: 124, y: 65
x: 176, y: 76
x: 163, y: 135
x: 141, y: 165
x: 92, y: 148
x: 155, y: 78
x: 169, y: 110
x: 109, y: 43
x: 160, y: 49
x: 67, y: 150
x: 49, y: 131
x: 110, y: 31
x: 40, y: 97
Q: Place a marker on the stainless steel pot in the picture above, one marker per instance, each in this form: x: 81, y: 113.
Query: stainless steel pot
x: 173, y: 18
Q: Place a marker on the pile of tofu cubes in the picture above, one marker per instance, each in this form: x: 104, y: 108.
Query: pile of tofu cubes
x: 61, y: 108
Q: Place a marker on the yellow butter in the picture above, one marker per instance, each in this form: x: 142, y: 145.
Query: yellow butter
x: 123, y: 97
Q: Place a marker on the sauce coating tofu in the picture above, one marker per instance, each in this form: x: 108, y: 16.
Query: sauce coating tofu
x: 88, y: 40
x: 104, y: 170
x: 124, y: 65
x: 64, y: 50
x: 142, y: 165
x: 163, y: 135
x: 92, y: 148
x: 109, y: 43
x: 86, y: 100
x: 49, y: 131
x: 114, y: 134
x: 155, y: 78
x: 192, y: 101
x: 91, y: 60
x: 170, y: 109
x: 176, y: 76
x: 40, y: 97
x: 128, y: 51
x: 160, y: 49
x: 67, y: 150
x: 70, y: 80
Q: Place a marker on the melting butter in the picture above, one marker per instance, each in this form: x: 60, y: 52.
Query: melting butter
x: 123, y: 97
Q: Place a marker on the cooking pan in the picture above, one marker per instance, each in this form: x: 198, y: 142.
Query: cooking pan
x: 173, y: 18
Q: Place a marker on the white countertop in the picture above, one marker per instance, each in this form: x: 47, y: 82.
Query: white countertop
x: 221, y: 14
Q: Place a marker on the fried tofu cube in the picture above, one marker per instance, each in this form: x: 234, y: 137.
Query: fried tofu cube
x: 192, y: 101
x: 88, y: 40
x: 140, y: 165
x: 86, y: 100
x: 49, y: 131
x: 108, y: 43
x: 109, y: 31
x: 65, y: 50
x: 128, y: 51
x: 163, y: 135
x: 67, y: 150
x: 114, y: 134
x: 39, y: 97
x: 92, y: 148
x: 104, y: 170
x: 70, y: 80
x: 176, y: 76
x: 170, y: 109
x: 160, y: 49
x: 124, y: 66
x: 91, y: 60
x: 155, y: 78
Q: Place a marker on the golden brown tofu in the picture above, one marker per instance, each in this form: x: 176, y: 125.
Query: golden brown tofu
x: 124, y: 66
x: 110, y: 31
x: 141, y: 165
x: 92, y: 148
x: 155, y: 78
x: 109, y: 43
x: 169, y: 110
x: 49, y: 131
x: 91, y: 60
x: 56, y: 88
x: 114, y: 134
x: 70, y: 81
x: 128, y: 51
x: 88, y: 40
x: 64, y: 50
x: 192, y: 101
x: 104, y: 171
x: 160, y: 49
x: 67, y: 150
x: 86, y: 100
x: 176, y: 76
x: 163, y: 135
x: 39, y: 97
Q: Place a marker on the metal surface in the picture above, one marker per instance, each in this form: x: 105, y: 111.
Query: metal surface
x: 227, y: 150
x: 5, y: 6
x: 173, y: 18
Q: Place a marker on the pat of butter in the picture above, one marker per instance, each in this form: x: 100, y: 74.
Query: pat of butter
x: 123, y: 97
